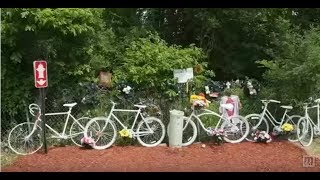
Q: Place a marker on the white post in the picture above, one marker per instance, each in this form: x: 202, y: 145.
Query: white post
x: 175, y: 128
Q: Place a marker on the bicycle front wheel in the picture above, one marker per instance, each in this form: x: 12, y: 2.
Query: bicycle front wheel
x: 253, y: 120
x: 102, y: 131
x: 189, y: 133
x: 147, y: 138
x: 77, y: 129
x: 305, y: 132
x: 293, y: 137
x: 22, y: 142
x: 236, y: 129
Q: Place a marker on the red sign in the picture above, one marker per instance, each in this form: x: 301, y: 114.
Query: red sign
x: 40, y: 74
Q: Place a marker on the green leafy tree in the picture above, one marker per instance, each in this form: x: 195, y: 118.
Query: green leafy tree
x: 149, y: 63
x: 294, y: 71
x: 74, y: 42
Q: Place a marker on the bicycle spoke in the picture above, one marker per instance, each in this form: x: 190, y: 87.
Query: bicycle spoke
x: 150, y: 138
x: 77, y: 130
x: 104, y: 136
x: 18, y: 142
x: 107, y: 134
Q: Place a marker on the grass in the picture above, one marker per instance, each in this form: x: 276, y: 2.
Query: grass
x: 315, y: 147
x: 7, y: 158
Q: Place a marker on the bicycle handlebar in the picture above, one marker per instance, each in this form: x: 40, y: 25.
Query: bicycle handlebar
x: 33, y: 107
x: 310, y: 100
x: 306, y: 104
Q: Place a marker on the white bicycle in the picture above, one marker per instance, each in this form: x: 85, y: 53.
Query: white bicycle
x: 150, y: 131
x: 235, y: 128
x: 259, y: 121
x: 26, y: 138
x: 307, y: 128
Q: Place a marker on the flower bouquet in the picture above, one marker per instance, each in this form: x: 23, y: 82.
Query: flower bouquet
x: 127, y: 89
x: 125, y: 133
x: 126, y: 137
x: 88, y: 142
x: 262, y: 136
x: 286, y: 130
x: 199, y: 101
x: 217, y: 135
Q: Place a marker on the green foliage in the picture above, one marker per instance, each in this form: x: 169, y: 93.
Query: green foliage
x: 125, y: 141
x: 211, y: 121
x: 250, y: 105
x: 143, y: 45
x: 232, y: 39
x: 294, y: 72
x: 73, y: 41
x: 149, y: 63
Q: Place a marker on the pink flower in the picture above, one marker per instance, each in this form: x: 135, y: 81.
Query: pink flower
x: 87, y: 140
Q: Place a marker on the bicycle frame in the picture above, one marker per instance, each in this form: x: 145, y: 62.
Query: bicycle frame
x: 58, y: 135
x: 138, y: 112
x: 207, y: 112
x: 308, y: 117
x: 266, y: 114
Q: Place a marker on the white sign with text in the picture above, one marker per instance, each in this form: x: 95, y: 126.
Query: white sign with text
x: 183, y: 75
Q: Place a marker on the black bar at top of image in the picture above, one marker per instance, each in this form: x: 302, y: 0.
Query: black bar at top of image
x: 162, y: 4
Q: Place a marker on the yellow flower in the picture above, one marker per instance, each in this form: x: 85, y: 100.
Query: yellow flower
x: 287, y: 127
x: 196, y: 97
x: 193, y: 97
x: 125, y: 133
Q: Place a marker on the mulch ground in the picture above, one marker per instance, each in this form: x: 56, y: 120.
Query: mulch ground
x: 242, y: 157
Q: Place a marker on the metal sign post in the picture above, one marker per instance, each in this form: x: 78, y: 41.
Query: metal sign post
x: 41, y: 82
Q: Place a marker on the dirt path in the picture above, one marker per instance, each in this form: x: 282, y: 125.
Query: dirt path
x: 246, y: 156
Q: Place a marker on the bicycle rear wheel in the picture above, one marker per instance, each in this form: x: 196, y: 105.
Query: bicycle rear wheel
x: 102, y: 131
x: 305, y: 132
x: 150, y: 139
x: 236, y: 129
x: 18, y: 141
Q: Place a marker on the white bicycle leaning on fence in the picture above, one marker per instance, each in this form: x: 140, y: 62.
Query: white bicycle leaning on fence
x: 150, y: 131
x: 307, y: 128
x: 235, y: 128
x: 259, y: 122
x: 26, y: 138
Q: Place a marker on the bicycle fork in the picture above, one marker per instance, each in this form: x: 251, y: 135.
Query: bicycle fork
x: 33, y: 128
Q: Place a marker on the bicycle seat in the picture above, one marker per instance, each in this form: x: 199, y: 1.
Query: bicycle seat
x: 270, y: 100
x: 140, y: 106
x: 70, y: 105
x: 287, y: 107
x: 317, y: 101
